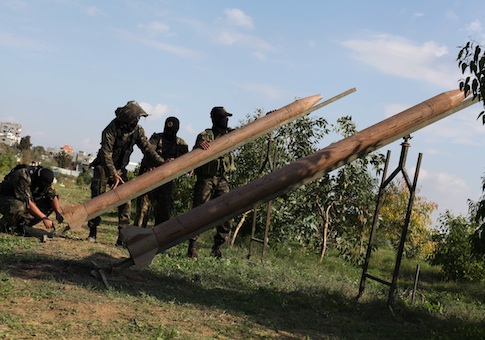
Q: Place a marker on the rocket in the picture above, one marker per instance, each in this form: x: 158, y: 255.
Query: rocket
x: 144, y: 244
x: 76, y: 215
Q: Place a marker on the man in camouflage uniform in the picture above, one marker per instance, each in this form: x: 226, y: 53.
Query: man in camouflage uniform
x: 213, y: 177
x: 169, y: 147
x: 117, y: 141
x: 26, y: 198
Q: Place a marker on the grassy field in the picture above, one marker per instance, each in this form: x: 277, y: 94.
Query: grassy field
x: 47, y: 291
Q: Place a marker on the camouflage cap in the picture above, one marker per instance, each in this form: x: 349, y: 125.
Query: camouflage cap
x: 130, y: 112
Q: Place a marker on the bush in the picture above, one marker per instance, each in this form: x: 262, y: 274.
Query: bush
x: 454, y: 251
x: 7, y: 160
x: 84, y: 178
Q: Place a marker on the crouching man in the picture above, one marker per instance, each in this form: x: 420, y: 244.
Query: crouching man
x: 27, y: 197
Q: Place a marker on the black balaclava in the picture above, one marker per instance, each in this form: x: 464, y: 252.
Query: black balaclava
x: 129, y: 115
x: 171, y: 128
x: 43, y: 177
x: 219, y: 120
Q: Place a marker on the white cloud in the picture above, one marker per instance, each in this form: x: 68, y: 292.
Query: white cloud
x: 451, y: 15
x: 260, y: 56
x: 237, y: 17
x: 393, y: 109
x: 474, y: 26
x: 475, y: 29
x: 17, y: 42
x: 230, y: 38
x: 189, y: 128
x: 154, y: 43
x: 175, y: 49
x: 89, y: 144
x: 433, y: 151
x: 311, y: 43
x: 93, y: 11
x: 16, y: 4
x: 148, y: 35
x: 445, y: 181
x: 450, y: 190
x: 155, y: 112
x: 461, y: 129
x: 234, y: 38
x: 228, y: 33
x: 8, y: 119
x: 155, y: 27
x: 266, y: 90
x: 400, y: 57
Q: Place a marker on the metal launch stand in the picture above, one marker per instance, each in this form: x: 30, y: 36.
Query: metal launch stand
x: 412, y: 190
x: 268, y: 158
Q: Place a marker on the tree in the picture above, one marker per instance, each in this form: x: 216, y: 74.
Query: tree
x: 290, y: 217
x: 24, y: 148
x: 63, y: 159
x: 7, y: 158
x: 471, y: 59
x: 300, y: 215
x: 84, y: 178
x: 344, y: 201
x: 351, y: 194
x: 182, y: 196
x: 38, y: 152
x: 25, y: 143
x: 392, y: 215
x: 454, y: 252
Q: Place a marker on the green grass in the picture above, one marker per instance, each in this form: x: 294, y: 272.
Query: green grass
x: 289, y: 295
x: 47, y: 292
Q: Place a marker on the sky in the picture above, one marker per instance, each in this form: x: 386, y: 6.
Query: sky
x: 66, y: 65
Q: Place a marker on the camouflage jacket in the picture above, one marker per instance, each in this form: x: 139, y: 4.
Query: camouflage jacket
x: 221, y: 166
x: 117, y: 147
x: 166, y: 149
x: 18, y: 183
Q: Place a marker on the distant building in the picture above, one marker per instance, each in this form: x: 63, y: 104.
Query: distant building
x: 84, y: 159
x: 80, y: 157
x: 68, y: 149
x: 57, y: 150
x: 10, y: 133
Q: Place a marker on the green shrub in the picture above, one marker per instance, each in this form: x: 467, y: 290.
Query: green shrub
x: 7, y: 161
x: 84, y: 178
x: 454, y: 251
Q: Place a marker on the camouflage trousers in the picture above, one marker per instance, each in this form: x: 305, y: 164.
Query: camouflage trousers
x: 158, y: 202
x: 205, y: 189
x: 16, y: 212
x: 99, y: 183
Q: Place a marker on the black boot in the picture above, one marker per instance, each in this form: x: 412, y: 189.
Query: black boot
x: 216, y: 251
x: 120, y: 242
x: 192, y: 250
x: 92, y: 234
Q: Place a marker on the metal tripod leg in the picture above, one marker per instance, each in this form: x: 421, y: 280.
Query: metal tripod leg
x: 412, y: 189
x: 271, y: 161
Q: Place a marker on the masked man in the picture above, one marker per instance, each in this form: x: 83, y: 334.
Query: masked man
x: 117, y: 141
x: 160, y: 200
x: 27, y: 197
x: 213, y: 177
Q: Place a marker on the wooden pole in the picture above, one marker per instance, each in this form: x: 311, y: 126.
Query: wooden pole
x: 144, y: 244
x: 75, y: 215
